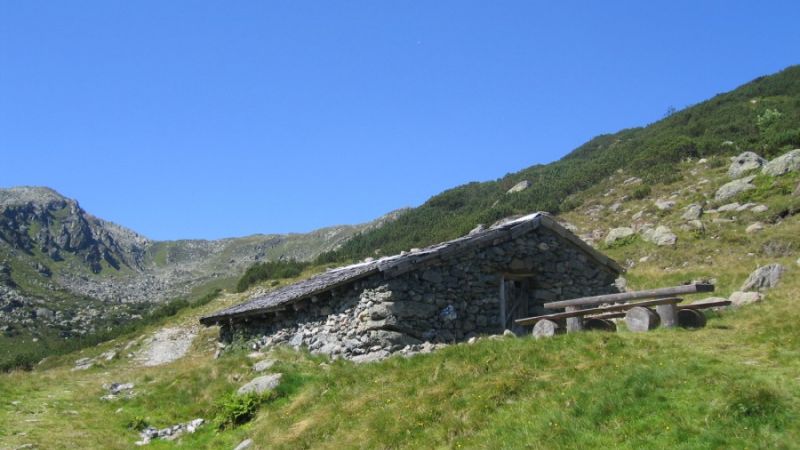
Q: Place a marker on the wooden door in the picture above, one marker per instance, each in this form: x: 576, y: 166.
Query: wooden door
x: 515, y: 301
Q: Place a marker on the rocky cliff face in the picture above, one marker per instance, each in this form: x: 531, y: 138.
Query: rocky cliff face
x: 39, y: 219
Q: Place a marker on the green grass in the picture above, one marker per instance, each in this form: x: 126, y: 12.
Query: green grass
x: 732, y: 384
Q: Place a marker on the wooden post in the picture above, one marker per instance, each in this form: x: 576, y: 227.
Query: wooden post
x: 668, y: 314
x: 574, y: 323
x: 640, y: 319
x: 502, y: 303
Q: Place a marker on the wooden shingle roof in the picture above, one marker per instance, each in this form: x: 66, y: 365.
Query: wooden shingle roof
x: 392, y: 266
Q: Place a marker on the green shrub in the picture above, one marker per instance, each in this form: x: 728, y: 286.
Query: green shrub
x: 233, y: 409
x: 641, y: 192
x: 138, y: 423
x: 269, y: 270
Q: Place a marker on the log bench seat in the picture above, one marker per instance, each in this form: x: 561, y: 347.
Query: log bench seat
x: 587, y: 312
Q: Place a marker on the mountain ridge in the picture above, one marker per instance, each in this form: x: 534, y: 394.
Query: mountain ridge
x: 66, y: 273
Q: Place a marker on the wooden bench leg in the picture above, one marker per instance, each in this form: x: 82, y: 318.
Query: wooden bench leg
x: 546, y: 328
x: 574, y: 323
x: 668, y: 314
x: 690, y: 318
x: 640, y: 319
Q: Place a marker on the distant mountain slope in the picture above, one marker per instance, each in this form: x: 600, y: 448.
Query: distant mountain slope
x: 763, y: 115
x: 66, y: 273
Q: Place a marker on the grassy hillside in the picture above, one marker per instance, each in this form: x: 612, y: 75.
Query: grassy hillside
x: 763, y: 115
x: 733, y: 384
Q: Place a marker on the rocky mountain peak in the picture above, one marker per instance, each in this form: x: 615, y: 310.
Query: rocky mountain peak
x: 40, y: 220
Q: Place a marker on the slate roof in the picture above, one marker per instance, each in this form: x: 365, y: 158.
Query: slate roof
x: 392, y: 266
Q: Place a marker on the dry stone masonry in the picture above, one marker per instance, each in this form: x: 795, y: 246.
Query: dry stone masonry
x: 477, y: 290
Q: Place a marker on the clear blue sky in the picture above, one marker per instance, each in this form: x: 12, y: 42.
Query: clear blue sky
x: 211, y: 119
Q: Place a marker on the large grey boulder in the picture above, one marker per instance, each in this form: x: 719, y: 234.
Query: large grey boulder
x: 788, y: 162
x: 693, y: 212
x: 735, y: 187
x: 745, y: 162
x: 263, y: 365
x: 754, y: 228
x: 261, y: 384
x: 661, y: 236
x: 616, y: 234
x: 519, y: 187
x: 739, y: 299
x: 664, y: 205
x: 244, y: 445
x: 764, y: 277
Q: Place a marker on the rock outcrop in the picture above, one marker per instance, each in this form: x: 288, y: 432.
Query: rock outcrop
x: 519, y: 187
x: 261, y: 384
x: 692, y: 212
x: 764, y: 277
x: 788, y: 162
x: 734, y: 188
x: 739, y: 299
x: 616, y: 234
x: 661, y: 236
x: 744, y: 163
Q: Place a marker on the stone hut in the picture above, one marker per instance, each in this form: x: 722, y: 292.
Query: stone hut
x: 476, y: 284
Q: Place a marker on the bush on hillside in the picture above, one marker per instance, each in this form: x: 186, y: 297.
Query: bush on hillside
x: 269, y: 271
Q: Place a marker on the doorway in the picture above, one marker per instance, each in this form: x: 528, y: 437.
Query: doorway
x: 516, y: 296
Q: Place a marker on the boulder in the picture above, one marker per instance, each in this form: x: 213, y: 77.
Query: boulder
x: 661, y: 236
x: 745, y: 162
x: 745, y: 207
x: 729, y: 207
x: 739, y: 299
x: 263, y: 365
x: 788, y: 162
x: 764, y: 277
x: 664, y: 205
x: 735, y: 187
x: 116, y: 388
x: 519, y: 187
x: 759, y: 209
x: 261, y: 384
x: 616, y: 234
x: 44, y: 313
x: 754, y: 228
x: 244, y: 445
x: 696, y: 225
x: 692, y: 212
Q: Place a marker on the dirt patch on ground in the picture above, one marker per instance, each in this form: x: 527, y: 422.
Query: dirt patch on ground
x: 165, y: 346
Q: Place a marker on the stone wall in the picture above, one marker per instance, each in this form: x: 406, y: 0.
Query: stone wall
x: 442, y: 303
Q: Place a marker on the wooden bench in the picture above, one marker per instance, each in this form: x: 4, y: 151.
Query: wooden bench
x: 638, y: 314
